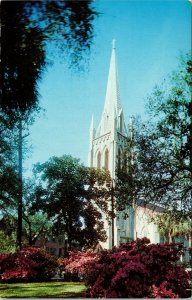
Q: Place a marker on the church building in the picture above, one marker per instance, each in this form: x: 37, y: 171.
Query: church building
x: 106, y: 145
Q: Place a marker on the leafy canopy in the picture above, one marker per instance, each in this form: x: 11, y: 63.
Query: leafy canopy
x: 74, y: 198
x: 156, y: 165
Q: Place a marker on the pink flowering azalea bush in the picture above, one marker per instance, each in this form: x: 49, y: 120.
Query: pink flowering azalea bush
x: 163, y: 291
x: 138, y: 270
x: 79, y: 262
x: 29, y: 264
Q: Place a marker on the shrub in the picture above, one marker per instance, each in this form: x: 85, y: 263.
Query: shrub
x: 29, y: 264
x: 78, y: 263
x: 162, y: 291
x: 138, y: 269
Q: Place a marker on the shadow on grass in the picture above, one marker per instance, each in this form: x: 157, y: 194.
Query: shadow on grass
x: 64, y: 295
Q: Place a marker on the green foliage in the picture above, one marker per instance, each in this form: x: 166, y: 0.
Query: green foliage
x: 23, y: 59
x: 68, y: 24
x: 7, y: 243
x: 73, y: 197
x: 156, y: 166
x: 35, y: 223
x: 27, y: 27
x: 128, y: 185
x: 35, y: 226
x: 172, y: 224
x: 8, y: 173
x: 9, y: 184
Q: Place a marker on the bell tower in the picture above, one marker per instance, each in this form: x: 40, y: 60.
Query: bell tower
x: 107, y: 142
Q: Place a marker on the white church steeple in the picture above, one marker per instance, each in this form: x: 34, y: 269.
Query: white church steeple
x: 112, y: 116
x: 105, y: 149
x: 107, y: 144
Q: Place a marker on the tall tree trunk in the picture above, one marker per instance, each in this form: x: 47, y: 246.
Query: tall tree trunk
x: 70, y: 233
x: 20, y: 196
x: 30, y: 236
x: 170, y: 239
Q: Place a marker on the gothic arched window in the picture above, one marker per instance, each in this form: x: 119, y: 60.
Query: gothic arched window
x: 106, y: 159
x: 99, y: 160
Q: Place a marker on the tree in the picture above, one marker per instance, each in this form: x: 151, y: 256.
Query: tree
x: 73, y: 198
x: 9, y: 185
x: 170, y: 107
x: 36, y: 227
x: 27, y: 26
x: 128, y: 187
x: 8, y: 175
x: 7, y: 243
x: 23, y: 58
x: 96, y: 204
x: 172, y: 224
x: 35, y: 223
x: 161, y: 148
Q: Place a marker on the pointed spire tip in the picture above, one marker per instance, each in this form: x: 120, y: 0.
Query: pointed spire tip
x: 113, y: 43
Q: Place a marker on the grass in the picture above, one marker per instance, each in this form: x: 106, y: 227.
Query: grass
x: 43, y: 290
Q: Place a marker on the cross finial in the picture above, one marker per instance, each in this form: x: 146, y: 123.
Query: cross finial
x: 113, y: 43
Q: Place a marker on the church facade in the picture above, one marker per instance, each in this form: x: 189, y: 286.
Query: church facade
x: 106, y: 145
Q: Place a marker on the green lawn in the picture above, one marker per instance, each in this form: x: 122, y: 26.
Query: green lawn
x: 43, y: 289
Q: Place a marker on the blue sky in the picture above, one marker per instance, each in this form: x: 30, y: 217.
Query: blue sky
x: 150, y: 35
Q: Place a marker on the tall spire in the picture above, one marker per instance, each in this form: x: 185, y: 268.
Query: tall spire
x: 112, y: 106
x: 112, y: 98
x: 107, y: 144
x: 113, y: 43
